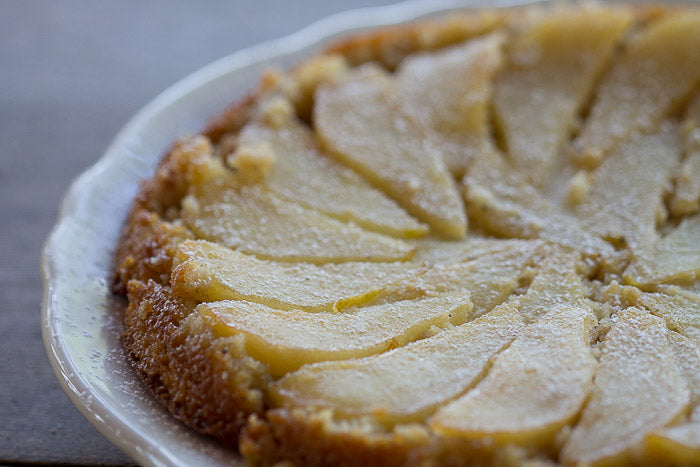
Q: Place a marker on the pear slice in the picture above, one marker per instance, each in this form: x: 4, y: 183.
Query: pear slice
x: 286, y: 340
x: 432, y: 251
x: 436, y: 369
x: 448, y: 94
x: 674, y: 258
x: 360, y: 122
x: 681, y: 443
x: 303, y: 174
x: 657, y: 71
x: 637, y: 357
x: 381, y: 46
x: 534, y: 387
x: 489, y: 279
x: 251, y: 219
x: 686, y: 198
x: 676, y: 445
x: 553, y: 66
x: 558, y: 281
x: 501, y: 202
x: 209, y: 272
x: 680, y: 310
x: 687, y: 355
x: 626, y: 193
x: 488, y: 287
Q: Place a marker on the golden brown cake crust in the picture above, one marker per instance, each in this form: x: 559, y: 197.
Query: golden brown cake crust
x: 146, y: 250
x: 209, y: 382
x: 232, y: 119
x: 303, y: 438
x: 205, y: 381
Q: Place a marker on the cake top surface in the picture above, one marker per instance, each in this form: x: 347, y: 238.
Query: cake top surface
x: 465, y: 239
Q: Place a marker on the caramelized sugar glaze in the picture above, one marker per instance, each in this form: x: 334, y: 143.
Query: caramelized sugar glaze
x: 473, y: 241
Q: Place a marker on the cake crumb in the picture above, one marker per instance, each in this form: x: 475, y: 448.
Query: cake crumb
x: 252, y: 162
x: 577, y: 188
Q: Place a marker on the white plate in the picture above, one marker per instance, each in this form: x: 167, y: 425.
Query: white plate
x: 81, y: 320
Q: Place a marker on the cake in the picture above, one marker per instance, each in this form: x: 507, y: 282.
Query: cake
x: 473, y: 240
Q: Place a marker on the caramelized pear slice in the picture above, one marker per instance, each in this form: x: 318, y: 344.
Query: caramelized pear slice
x: 285, y: 340
x: 501, y: 202
x: 448, y: 94
x: 686, y: 198
x: 251, y: 219
x: 360, y: 122
x: 626, y: 194
x: 436, y: 369
x: 302, y: 173
x: 534, y: 387
x: 638, y: 388
x: 553, y: 66
x: 209, y: 272
x: 657, y: 71
x: 674, y: 258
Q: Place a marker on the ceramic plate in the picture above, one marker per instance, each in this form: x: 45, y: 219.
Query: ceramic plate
x: 81, y: 320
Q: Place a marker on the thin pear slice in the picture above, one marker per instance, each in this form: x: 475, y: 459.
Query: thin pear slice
x: 680, y: 310
x: 435, y: 369
x: 489, y: 279
x: 638, y: 388
x: 686, y: 198
x: 674, y: 258
x: 285, y: 340
x: 558, y: 281
x: 681, y: 443
x: 432, y: 251
x: 209, y: 272
x: 626, y: 193
x: 501, y: 202
x: 687, y: 355
x: 534, y: 387
x: 657, y: 71
x: 251, y: 219
x: 448, y: 93
x: 553, y: 66
x: 676, y: 445
x: 488, y: 287
x: 382, y: 46
x: 360, y: 122
x: 302, y: 173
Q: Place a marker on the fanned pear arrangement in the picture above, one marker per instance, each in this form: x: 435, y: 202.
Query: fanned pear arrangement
x: 467, y: 241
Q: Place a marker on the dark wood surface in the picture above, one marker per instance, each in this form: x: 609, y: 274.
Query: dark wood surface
x: 71, y: 74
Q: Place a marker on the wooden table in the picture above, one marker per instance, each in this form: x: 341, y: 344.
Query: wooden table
x: 71, y: 74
